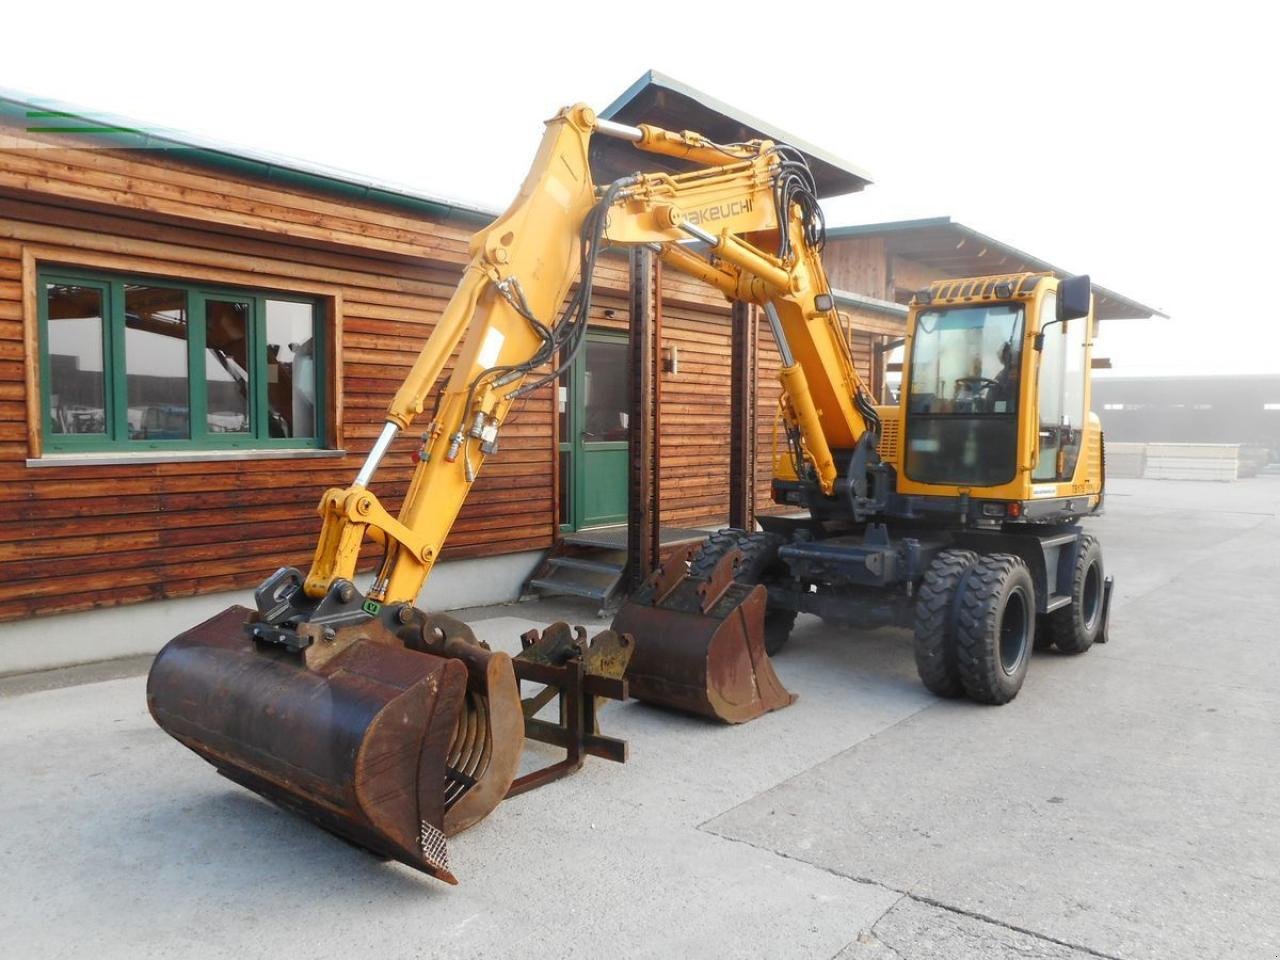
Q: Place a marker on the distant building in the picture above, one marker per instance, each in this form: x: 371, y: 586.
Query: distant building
x: 1210, y: 409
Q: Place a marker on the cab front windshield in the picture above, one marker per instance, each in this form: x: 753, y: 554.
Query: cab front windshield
x: 962, y: 399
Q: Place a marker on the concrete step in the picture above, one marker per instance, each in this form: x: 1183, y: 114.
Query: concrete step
x: 591, y: 566
x: 550, y: 585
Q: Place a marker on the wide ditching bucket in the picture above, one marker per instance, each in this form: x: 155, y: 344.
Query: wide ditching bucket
x: 699, y: 643
x: 393, y: 731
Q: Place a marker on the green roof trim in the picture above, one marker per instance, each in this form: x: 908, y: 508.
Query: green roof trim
x: 47, y: 117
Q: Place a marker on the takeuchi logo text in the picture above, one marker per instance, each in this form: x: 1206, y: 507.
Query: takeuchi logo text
x: 719, y: 211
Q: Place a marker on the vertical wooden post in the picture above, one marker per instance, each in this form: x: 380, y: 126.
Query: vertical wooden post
x: 642, y: 423
x: 656, y: 369
x: 742, y: 417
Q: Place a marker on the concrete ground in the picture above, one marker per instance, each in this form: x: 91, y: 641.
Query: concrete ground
x: 1127, y: 804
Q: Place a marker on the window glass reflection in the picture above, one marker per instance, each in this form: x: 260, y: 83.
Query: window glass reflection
x: 77, y: 389
x: 605, y: 409
x: 226, y: 366
x: 155, y: 352
x: 291, y: 369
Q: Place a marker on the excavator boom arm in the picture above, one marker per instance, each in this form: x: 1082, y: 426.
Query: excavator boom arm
x: 746, y: 222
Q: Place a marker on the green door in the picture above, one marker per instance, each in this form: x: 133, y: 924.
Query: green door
x: 593, y: 435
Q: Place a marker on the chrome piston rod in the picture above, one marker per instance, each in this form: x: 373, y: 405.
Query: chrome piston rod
x: 619, y: 131
x: 380, y: 447
x: 780, y: 338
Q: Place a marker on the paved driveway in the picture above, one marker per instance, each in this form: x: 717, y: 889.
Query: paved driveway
x: 1127, y: 804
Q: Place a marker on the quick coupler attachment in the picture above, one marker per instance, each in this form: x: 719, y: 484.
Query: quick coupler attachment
x: 700, y: 642
x: 582, y: 677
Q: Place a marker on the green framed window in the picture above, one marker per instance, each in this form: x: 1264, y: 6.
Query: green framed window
x: 141, y: 363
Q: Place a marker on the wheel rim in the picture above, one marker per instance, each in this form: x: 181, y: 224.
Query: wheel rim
x: 1013, y: 632
x: 1091, y: 597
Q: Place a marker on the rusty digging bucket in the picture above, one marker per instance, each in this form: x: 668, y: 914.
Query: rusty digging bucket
x: 700, y: 643
x: 394, y: 730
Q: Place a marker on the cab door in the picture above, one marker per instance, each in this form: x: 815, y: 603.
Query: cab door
x: 1063, y: 393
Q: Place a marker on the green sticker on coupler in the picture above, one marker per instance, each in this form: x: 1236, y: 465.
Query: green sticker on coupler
x: 372, y: 607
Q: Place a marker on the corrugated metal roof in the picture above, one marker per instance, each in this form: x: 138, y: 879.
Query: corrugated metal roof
x: 45, y: 116
x: 957, y: 250
x: 658, y: 99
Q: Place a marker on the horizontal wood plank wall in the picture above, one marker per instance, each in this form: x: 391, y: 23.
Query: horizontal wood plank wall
x: 74, y: 538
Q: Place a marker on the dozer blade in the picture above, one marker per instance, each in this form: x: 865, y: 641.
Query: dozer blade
x: 700, y: 643
x: 394, y: 731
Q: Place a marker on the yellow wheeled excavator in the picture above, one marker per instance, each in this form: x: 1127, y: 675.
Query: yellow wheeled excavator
x: 962, y: 523
x: 395, y: 728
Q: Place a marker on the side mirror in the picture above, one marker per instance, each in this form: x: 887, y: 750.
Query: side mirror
x: 1074, y: 294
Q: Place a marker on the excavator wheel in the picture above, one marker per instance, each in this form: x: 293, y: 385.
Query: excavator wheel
x: 1073, y: 629
x: 934, y: 641
x: 759, y: 563
x: 995, y: 628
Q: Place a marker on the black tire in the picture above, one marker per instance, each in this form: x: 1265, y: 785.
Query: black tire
x: 1074, y: 628
x: 759, y: 565
x: 935, y: 622
x: 995, y: 628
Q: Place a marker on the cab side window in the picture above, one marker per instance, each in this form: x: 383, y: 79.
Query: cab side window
x: 1062, y: 394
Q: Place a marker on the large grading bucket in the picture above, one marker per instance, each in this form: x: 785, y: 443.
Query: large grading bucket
x: 393, y: 731
x: 700, y: 643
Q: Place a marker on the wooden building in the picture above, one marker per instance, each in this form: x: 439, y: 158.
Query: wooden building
x: 196, y: 341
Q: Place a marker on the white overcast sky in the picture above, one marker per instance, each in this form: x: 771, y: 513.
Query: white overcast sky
x: 1135, y: 142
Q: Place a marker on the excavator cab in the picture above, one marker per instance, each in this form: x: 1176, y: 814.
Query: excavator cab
x: 996, y: 378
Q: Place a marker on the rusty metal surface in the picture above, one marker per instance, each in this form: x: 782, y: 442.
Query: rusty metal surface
x: 717, y: 583
x: 357, y: 743
x: 743, y: 380
x: 582, y: 675
x: 700, y: 645
x: 394, y: 733
x: 484, y: 755
x: 643, y: 376
x: 671, y: 574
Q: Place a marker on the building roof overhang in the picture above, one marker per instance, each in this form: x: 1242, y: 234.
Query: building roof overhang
x: 660, y: 100
x: 957, y: 250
